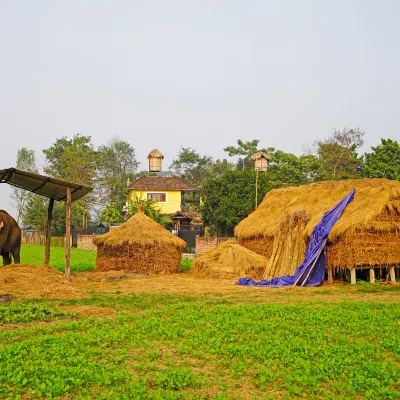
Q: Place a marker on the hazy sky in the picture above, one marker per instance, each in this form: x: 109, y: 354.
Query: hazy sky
x: 198, y: 74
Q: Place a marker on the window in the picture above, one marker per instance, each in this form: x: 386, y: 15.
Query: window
x: 157, y: 197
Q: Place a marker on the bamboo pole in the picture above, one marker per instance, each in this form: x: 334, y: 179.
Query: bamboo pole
x: 312, y: 266
x: 48, y: 232
x: 256, y: 188
x: 67, y: 233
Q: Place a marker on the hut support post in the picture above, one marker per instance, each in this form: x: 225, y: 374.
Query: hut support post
x: 353, y: 276
x: 48, y: 232
x: 330, y: 276
x: 67, y: 233
x: 392, y: 275
x: 256, y: 188
x: 371, y: 275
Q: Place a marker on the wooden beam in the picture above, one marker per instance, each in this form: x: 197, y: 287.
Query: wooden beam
x: 48, y: 232
x: 67, y: 243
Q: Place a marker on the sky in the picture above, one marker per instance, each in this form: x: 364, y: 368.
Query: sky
x: 200, y: 74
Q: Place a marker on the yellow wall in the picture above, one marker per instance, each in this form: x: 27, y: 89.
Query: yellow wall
x: 171, y: 206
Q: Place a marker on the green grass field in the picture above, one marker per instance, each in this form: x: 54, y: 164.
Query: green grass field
x: 321, y: 343
x: 195, y: 347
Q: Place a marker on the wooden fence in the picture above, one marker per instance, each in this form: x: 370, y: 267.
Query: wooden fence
x: 40, y: 241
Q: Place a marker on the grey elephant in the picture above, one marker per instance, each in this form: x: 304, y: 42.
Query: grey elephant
x: 10, y: 238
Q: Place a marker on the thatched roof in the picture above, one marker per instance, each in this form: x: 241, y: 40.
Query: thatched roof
x: 374, y: 198
x: 229, y: 260
x: 155, y: 153
x: 139, y: 230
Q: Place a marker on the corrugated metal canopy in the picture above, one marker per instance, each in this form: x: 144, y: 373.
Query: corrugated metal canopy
x: 43, y: 185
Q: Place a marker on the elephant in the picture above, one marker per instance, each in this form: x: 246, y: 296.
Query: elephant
x: 10, y: 238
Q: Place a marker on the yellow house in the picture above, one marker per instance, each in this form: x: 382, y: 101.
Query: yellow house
x: 166, y: 191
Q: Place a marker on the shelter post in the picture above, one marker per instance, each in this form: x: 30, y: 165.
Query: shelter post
x: 353, y: 276
x: 371, y: 276
x: 330, y: 275
x: 256, y: 188
x: 392, y: 275
x: 48, y: 232
x: 67, y: 232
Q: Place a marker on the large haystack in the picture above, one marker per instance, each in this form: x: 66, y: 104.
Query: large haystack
x: 31, y: 281
x: 230, y: 260
x: 139, y: 245
x: 367, y: 234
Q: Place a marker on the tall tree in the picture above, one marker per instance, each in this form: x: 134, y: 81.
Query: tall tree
x: 383, y: 161
x: 338, y: 154
x: 191, y: 166
x: 117, y: 164
x: 26, y: 162
x: 74, y: 160
x: 229, y: 198
x: 246, y: 150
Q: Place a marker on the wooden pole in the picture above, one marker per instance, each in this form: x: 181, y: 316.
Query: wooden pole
x: 48, y: 232
x: 256, y: 187
x: 330, y: 275
x: 67, y: 232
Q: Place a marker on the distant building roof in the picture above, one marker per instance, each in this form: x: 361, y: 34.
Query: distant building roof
x: 155, y: 153
x: 165, y: 173
x: 160, y: 183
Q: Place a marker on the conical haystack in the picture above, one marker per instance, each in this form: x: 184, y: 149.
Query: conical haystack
x: 230, y: 260
x: 139, y: 245
x: 366, y: 235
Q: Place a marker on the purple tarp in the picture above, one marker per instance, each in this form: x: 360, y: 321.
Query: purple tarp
x: 312, y: 271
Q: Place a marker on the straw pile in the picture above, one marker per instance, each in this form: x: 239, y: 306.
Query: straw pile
x: 367, y: 234
x: 230, y: 260
x: 31, y: 281
x: 139, y: 245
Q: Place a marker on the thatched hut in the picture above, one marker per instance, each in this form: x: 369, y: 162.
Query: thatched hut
x: 230, y: 260
x: 139, y: 245
x: 366, y: 236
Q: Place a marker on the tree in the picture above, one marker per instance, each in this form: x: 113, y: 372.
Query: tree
x: 245, y: 149
x: 192, y: 167
x: 110, y: 215
x: 117, y: 164
x: 287, y: 168
x: 74, y: 160
x: 229, y: 198
x: 25, y: 162
x: 383, y: 161
x: 338, y: 154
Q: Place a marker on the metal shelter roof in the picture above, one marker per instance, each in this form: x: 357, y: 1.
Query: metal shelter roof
x: 43, y: 185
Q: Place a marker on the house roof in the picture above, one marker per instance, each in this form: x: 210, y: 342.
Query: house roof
x: 160, y: 183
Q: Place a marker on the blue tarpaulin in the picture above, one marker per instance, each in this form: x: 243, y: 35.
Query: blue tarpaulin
x: 312, y: 271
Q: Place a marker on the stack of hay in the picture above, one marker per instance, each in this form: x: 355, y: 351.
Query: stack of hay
x: 139, y: 245
x: 31, y: 281
x: 230, y: 260
x: 366, y: 235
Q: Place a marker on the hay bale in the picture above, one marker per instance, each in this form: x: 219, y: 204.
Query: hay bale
x: 31, y: 281
x: 229, y: 260
x: 139, y: 245
x: 367, y: 234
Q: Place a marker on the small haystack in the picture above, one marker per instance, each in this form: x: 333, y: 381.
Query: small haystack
x: 33, y: 282
x: 139, y: 245
x: 367, y: 234
x: 230, y: 260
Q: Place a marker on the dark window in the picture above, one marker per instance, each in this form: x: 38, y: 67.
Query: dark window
x: 157, y: 197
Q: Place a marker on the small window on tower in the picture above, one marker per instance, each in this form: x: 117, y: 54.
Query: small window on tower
x: 157, y: 197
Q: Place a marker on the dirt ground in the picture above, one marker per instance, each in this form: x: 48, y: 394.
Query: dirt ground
x: 187, y: 284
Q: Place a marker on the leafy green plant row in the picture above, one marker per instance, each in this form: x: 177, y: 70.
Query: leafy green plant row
x: 193, y: 351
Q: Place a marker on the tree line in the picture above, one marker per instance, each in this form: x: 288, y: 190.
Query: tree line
x: 227, y: 187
